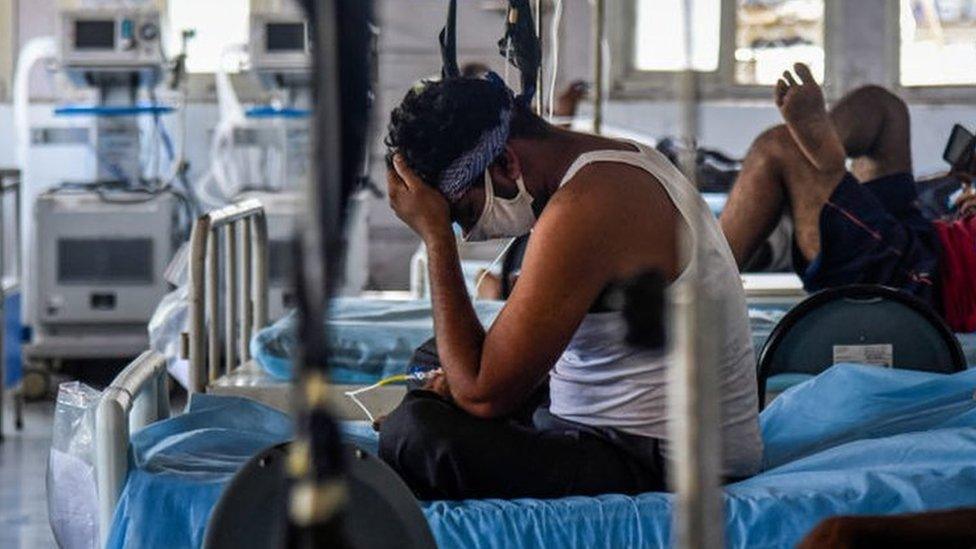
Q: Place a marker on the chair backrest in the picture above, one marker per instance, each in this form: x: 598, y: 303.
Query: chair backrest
x: 380, y: 512
x: 863, y: 324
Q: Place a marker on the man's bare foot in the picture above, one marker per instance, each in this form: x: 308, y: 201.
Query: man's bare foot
x: 805, y: 112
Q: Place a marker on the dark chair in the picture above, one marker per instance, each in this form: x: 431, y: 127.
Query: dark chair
x: 839, y: 324
x: 381, y: 512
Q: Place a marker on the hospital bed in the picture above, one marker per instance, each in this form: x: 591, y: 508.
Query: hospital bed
x: 222, y: 348
x: 853, y: 440
x: 228, y: 370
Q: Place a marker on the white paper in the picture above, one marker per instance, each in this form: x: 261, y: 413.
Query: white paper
x: 875, y: 355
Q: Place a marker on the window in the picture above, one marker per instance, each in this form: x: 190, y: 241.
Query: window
x: 218, y: 23
x: 938, y: 42
x: 660, y: 42
x: 740, y: 44
x: 772, y: 35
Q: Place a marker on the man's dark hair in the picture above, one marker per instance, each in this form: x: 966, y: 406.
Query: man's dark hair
x: 441, y: 120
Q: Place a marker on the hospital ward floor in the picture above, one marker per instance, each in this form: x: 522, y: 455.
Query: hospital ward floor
x: 23, y: 466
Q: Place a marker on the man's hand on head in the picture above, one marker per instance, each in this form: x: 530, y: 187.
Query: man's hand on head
x: 420, y: 206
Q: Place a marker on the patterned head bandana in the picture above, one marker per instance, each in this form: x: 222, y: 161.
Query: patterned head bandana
x: 461, y: 174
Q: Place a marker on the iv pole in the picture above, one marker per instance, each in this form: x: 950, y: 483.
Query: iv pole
x: 694, y: 393
x: 598, y: 24
x: 317, y: 488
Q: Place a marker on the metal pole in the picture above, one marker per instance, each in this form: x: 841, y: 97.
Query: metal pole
x: 246, y: 294
x: 230, y: 296
x: 318, y: 491
x: 117, y: 405
x: 540, y: 81
x: 199, y: 304
x: 213, y: 315
x: 259, y: 227
x: 694, y: 389
x: 599, y: 20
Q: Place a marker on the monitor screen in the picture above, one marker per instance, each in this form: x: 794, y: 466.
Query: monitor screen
x: 95, y: 35
x: 285, y: 37
x: 101, y: 261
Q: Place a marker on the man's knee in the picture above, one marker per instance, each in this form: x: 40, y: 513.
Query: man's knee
x: 418, y: 423
x: 773, y: 143
x: 423, y: 441
x: 874, y: 96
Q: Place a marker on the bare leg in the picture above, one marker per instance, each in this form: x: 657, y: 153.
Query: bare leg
x: 758, y: 198
x: 776, y: 175
x: 779, y: 171
x: 874, y: 126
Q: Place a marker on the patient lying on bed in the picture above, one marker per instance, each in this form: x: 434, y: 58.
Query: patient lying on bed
x: 550, y: 401
x: 857, y: 226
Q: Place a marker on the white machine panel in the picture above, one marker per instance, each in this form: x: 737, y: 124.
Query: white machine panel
x: 100, y: 261
x: 111, y: 38
x: 279, y: 42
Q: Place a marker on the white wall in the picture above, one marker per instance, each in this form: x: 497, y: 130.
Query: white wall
x: 408, y: 52
x: 731, y: 127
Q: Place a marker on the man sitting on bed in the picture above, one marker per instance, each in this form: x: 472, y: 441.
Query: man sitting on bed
x: 466, y: 151
x: 857, y: 226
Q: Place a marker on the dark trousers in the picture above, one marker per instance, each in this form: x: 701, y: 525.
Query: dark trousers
x: 442, y: 452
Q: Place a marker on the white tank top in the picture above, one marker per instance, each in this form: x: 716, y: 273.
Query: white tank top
x: 601, y: 381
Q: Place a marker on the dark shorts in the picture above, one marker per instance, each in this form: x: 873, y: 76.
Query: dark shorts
x: 874, y: 233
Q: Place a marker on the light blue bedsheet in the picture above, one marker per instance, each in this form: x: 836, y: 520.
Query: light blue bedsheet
x: 854, y: 440
x: 179, y: 467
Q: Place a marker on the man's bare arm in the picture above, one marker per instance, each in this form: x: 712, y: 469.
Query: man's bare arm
x: 584, y: 240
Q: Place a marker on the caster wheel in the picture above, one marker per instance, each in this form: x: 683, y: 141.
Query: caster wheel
x: 36, y: 384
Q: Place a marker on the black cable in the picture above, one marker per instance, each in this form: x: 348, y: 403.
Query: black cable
x: 448, y: 42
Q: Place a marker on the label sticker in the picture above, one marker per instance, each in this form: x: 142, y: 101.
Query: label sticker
x: 875, y: 355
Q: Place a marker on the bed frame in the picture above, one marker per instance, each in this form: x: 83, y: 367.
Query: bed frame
x: 137, y: 397
x: 224, y: 365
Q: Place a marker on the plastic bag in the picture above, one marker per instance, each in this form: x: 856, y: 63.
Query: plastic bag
x: 171, y: 319
x: 72, y: 495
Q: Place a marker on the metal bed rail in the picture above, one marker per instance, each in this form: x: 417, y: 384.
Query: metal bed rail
x: 137, y: 397
x: 245, y: 287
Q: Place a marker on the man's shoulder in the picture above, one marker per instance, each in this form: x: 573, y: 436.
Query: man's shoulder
x: 608, y: 184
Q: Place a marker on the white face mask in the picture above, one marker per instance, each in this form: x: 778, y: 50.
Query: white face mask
x: 503, y: 217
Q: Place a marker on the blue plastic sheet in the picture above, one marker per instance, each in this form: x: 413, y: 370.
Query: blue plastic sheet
x: 369, y: 338
x: 854, y: 440
x: 372, y: 339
